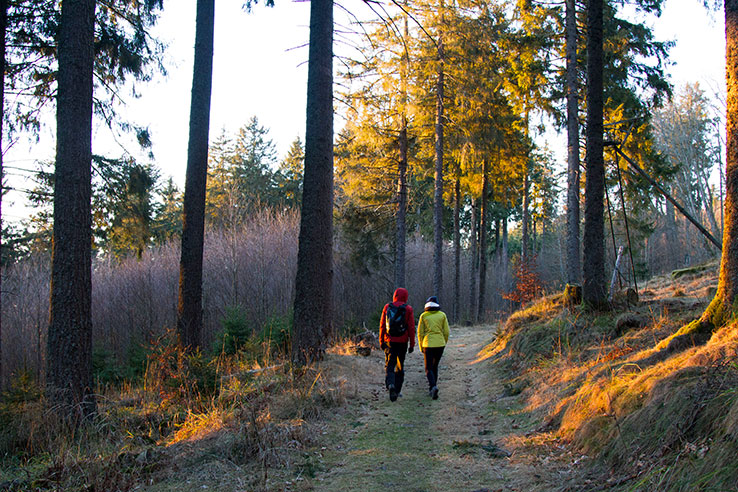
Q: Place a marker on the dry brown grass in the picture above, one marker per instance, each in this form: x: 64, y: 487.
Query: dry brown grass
x: 650, y: 414
x: 169, y: 437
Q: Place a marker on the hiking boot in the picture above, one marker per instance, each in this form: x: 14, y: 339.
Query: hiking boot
x: 434, y: 392
x: 392, y: 392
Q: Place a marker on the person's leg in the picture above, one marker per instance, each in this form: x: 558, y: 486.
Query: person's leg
x: 437, y: 353
x: 400, y: 352
x: 428, y: 360
x: 433, y: 356
x: 389, y: 368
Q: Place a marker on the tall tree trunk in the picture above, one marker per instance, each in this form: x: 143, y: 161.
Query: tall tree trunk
x: 69, y: 352
x: 672, y: 237
x: 573, y: 264
x: 189, y: 307
x: 723, y: 305
x: 438, y: 194
x: 3, y: 29
x: 594, y: 290
x: 401, y: 238
x: 505, y: 257
x: 525, y: 234
x: 483, y: 226
x: 473, y: 263
x: 497, y: 238
x: 708, y: 200
x: 314, y: 281
x: 401, y: 209
x: 457, y: 249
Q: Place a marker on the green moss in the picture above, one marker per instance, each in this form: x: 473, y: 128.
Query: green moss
x: 692, y: 270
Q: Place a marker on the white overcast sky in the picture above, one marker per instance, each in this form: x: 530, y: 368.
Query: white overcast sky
x: 260, y: 70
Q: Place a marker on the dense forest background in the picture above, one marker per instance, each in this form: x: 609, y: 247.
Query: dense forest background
x: 503, y: 201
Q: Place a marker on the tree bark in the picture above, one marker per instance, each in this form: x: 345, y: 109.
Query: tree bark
x: 3, y: 29
x: 483, y: 226
x: 314, y: 281
x: 505, y: 263
x: 525, y: 234
x: 473, y: 263
x: 573, y: 264
x: 401, y: 238
x: 727, y: 290
x: 189, y: 308
x: 401, y: 209
x: 594, y: 290
x: 438, y: 194
x: 69, y: 352
x: 672, y: 238
x: 457, y: 250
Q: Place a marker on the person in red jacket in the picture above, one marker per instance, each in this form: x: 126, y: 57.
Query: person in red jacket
x: 396, y: 338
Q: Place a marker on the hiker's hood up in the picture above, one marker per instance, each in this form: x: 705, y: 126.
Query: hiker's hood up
x: 400, y: 295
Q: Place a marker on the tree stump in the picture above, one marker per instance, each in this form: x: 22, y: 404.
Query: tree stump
x: 572, y: 295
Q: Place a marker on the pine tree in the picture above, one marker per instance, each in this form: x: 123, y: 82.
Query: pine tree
x: 312, y: 325
x: 69, y: 380
x: 573, y: 261
x: 3, y: 29
x: 168, y: 218
x: 723, y: 306
x: 594, y: 290
x: 124, y: 50
x: 132, y: 226
x: 189, y: 307
x: 291, y: 171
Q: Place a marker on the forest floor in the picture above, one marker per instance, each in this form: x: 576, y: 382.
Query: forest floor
x: 473, y: 438
x: 552, y: 399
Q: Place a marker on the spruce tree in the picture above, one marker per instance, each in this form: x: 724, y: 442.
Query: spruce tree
x: 69, y: 354
x: 189, y: 306
x: 312, y: 325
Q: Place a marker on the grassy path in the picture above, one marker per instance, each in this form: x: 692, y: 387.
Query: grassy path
x: 470, y: 439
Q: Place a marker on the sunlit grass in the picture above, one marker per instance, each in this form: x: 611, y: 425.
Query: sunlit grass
x: 254, y: 412
x: 622, y: 395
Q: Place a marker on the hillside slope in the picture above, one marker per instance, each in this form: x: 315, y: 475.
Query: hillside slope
x: 648, y: 414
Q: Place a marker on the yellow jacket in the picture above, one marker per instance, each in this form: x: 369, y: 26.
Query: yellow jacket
x: 432, y: 329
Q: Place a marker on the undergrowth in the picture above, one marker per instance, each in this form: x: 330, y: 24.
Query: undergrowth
x: 241, y: 401
x: 654, y: 414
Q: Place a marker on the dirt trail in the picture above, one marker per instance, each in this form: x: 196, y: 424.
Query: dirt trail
x: 471, y: 439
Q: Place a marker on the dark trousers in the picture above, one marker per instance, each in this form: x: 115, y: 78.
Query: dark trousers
x: 394, y: 364
x: 432, y: 356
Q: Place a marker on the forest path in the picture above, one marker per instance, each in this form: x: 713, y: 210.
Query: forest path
x: 471, y: 439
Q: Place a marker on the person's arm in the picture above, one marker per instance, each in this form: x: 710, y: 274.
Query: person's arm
x: 421, y: 330
x: 446, y: 331
x: 410, y: 321
x: 383, y: 328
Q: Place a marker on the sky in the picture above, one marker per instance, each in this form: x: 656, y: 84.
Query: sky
x: 260, y: 69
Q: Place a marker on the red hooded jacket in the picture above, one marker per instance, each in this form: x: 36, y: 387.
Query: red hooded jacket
x: 399, y: 298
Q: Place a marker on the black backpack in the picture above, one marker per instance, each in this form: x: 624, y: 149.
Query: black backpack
x: 396, y: 320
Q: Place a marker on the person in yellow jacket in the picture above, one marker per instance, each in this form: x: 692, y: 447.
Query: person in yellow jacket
x: 432, y: 338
